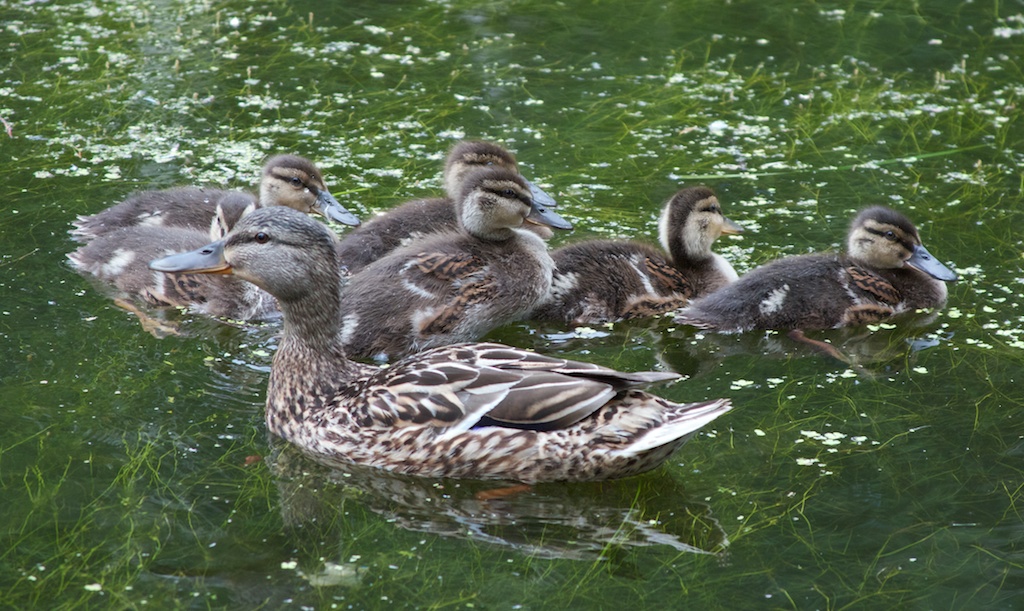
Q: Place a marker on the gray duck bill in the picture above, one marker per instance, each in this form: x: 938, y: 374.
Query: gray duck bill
x: 540, y: 196
x: 540, y: 215
x: 331, y: 208
x: 206, y: 260
x: 924, y: 261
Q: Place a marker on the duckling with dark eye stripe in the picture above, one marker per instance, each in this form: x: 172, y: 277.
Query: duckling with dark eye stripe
x: 599, y: 281
x: 415, y: 219
x: 885, y: 271
x: 457, y: 285
x: 287, y: 180
x: 122, y: 239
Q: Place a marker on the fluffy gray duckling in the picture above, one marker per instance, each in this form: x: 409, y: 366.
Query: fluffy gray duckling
x: 417, y: 218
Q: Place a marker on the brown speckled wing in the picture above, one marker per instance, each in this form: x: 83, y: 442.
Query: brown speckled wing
x: 667, y: 279
x: 546, y: 401
x: 873, y: 284
x: 866, y: 314
x: 448, y: 316
x: 448, y: 267
x: 461, y: 396
x: 433, y: 394
x: 469, y: 385
x: 509, y: 358
x: 648, y: 306
x: 467, y: 286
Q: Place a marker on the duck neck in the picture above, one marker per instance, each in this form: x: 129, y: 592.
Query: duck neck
x: 688, y: 248
x: 683, y: 242
x: 264, y: 195
x: 309, y: 366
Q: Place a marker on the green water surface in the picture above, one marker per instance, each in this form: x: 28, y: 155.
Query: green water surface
x: 136, y: 473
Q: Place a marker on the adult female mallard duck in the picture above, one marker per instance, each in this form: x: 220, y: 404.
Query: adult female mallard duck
x: 454, y: 286
x: 610, y: 280
x: 287, y: 180
x: 482, y: 411
x: 885, y: 271
x: 398, y: 226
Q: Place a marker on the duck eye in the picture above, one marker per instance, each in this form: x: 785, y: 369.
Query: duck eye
x: 890, y: 235
x: 262, y: 237
x: 296, y: 181
x: 509, y: 193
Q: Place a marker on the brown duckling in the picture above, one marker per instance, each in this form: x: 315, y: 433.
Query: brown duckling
x: 287, y: 180
x: 121, y: 259
x: 398, y: 226
x: 122, y: 239
x: 483, y: 411
x: 599, y: 281
x: 456, y: 285
x: 885, y: 271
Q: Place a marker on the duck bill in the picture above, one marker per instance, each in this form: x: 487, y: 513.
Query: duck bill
x: 729, y: 227
x: 922, y: 260
x: 539, y: 215
x: 206, y: 260
x: 332, y: 209
x: 540, y: 196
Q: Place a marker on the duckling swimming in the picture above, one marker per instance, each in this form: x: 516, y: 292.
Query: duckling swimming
x: 415, y: 219
x: 454, y: 286
x: 287, y: 180
x: 469, y: 411
x: 599, y: 281
x: 885, y: 271
x: 121, y: 259
x: 122, y: 239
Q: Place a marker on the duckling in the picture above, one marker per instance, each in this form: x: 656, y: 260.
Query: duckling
x: 599, y: 281
x: 121, y: 240
x: 383, y: 234
x: 288, y: 180
x: 483, y: 411
x: 885, y: 271
x: 456, y: 285
x: 121, y: 258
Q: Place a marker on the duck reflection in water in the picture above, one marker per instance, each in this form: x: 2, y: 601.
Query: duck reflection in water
x: 565, y: 521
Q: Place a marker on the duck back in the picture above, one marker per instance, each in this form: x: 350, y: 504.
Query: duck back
x: 397, y: 227
x: 183, y: 207
x: 599, y: 281
x: 450, y: 287
x: 819, y: 291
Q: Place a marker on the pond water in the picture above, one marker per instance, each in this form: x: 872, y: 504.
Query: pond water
x: 136, y: 471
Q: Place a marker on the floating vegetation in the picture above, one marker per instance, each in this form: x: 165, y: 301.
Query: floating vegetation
x: 134, y: 468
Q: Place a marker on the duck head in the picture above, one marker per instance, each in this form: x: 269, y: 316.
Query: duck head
x: 882, y: 238
x: 294, y: 182
x: 470, y: 155
x: 494, y: 201
x: 691, y: 221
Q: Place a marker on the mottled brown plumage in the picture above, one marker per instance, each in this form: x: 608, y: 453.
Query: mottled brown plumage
x: 415, y: 219
x: 469, y: 410
x: 457, y: 285
x: 599, y: 281
x: 885, y: 271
